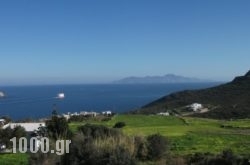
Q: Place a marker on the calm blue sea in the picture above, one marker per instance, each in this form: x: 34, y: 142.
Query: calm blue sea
x: 37, y: 101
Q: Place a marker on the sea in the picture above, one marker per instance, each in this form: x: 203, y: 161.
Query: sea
x: 35, y: 102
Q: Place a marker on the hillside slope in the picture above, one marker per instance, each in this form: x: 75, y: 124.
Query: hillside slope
x: 230, y: 100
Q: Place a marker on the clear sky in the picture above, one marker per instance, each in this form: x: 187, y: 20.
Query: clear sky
x: 95, y: 41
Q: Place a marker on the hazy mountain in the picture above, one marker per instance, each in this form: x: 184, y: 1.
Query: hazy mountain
x: 230, y: 100
x: 169, y: 78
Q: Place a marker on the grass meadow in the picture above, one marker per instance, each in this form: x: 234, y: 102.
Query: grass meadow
x: 187, y: 135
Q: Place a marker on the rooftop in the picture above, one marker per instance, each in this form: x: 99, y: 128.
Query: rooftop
x: 29, y: 127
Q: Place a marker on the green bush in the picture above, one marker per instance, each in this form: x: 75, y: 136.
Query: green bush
x: 99, y: 145
x: 8, y: 133
x: 97, y: 131
x: 58, y: 128
x: 119, y: 125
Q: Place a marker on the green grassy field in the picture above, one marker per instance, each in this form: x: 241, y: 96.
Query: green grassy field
x: 187, y: 135
x: 13, y: 159
x: 241, y: 123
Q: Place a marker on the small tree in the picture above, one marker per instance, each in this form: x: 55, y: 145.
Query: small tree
x: 8, y: 133
x: 5, y: 136
x: 58, y: 127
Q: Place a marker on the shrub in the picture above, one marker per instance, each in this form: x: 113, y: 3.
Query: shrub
x: 58, y: 128
x: 121, y: 156
x: 157, y: 146
x: 97, y: 131
x: 110, y: 149
x: 119, y: 125
x: 225, y: 158
x: 40, y: 158
x: 141, y: 148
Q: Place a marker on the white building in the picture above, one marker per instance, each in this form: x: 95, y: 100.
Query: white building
x: 107, y: 113
x: 163, y: 114
x: 66, y: 116
x: 2, y: 121
x: 85, y: 113
x: 29, y: 127
x: 195, y: 106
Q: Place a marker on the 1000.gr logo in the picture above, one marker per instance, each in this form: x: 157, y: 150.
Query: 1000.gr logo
x: 43, y: 144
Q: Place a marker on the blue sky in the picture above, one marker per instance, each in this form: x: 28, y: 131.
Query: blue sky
x: 96, y: 41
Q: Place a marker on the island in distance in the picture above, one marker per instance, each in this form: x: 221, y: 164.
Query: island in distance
x: 168, y: 78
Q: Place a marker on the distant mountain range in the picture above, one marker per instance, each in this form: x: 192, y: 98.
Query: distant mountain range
x: 226, y: 101
x: 169, y: 78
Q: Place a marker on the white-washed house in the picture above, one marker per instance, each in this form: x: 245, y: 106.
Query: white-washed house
x: 195, y: 106
x: 163, y: 114
x: 107, y: 113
